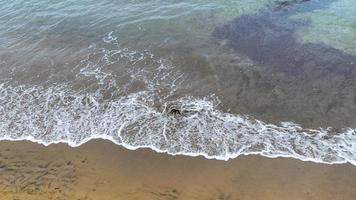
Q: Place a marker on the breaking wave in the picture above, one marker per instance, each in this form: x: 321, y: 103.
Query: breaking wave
x: 154, y: 116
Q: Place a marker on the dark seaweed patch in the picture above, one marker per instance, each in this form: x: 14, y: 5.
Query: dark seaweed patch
x: 268, y: 38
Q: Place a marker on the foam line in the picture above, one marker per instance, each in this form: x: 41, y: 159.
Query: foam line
x: 46, y: 118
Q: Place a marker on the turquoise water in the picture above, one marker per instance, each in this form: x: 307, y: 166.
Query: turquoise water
x: 155, y: 74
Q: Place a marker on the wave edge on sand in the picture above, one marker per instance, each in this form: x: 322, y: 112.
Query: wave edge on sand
x: 132, y: 119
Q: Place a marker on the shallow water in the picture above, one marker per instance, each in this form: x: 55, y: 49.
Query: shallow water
x: 212, y: 78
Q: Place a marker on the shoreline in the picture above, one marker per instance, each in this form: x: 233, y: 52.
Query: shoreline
x: 188, y: 154
x: 100, y: 169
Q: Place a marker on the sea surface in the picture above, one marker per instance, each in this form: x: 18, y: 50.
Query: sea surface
x: 216, y: 78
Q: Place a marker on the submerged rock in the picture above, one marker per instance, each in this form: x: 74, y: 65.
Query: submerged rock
x: 175, y: 112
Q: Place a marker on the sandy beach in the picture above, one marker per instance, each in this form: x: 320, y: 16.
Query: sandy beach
x: 102, y: 170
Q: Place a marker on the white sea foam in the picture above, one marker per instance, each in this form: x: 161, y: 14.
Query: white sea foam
x: 60, y: 114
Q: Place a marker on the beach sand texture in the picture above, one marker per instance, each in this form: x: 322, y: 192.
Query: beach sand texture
x: 102, y: 170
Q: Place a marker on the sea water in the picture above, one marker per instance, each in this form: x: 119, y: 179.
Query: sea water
x: 195, y: 77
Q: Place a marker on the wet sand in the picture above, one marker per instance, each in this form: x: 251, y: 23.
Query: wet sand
x: 102, y: 170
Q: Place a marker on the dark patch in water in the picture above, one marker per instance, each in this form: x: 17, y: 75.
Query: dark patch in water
x: 282, y: 5
x: 268, y: 39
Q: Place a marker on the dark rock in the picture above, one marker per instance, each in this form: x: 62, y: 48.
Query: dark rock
x: 175, y: 112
